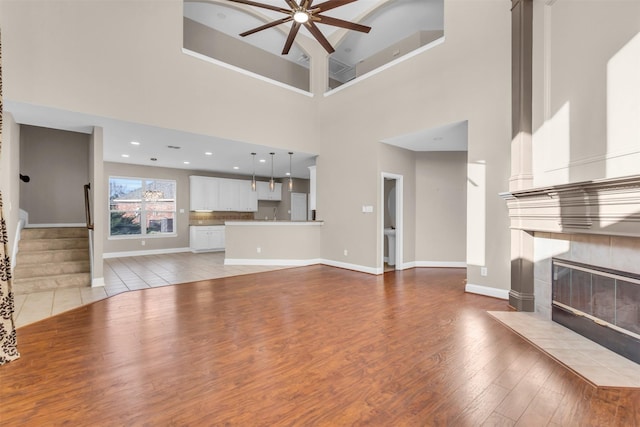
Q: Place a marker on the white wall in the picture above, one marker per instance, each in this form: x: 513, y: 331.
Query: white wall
x: 586, y: 93
x: 441, y: 207
x: 465, y: 78
x: 124, y: 60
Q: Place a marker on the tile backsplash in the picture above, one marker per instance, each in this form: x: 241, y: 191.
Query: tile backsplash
x: 216, y: 218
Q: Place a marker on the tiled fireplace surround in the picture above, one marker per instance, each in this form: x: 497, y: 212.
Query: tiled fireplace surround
x: 615, y: 252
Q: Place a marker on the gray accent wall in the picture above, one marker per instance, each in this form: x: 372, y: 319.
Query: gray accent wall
x: 58, y: 164
x: 216, y: 44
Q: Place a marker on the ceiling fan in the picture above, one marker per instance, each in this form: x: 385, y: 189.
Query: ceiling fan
x: 305, y: 14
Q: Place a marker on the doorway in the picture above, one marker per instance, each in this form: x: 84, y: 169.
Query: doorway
x: 391, y: 230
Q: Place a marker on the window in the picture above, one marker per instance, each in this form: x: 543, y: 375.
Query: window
x: 141, y: 206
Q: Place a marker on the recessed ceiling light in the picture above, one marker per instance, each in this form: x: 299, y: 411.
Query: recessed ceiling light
x: 287, y: 174
x: 175, y: 147
x: 208, y: 153
x: 124, y: 155
x: 186, y: 163
x: 153, y: 159
x: 135, y: 143
x: 236, y: 167
x: 262, y: 161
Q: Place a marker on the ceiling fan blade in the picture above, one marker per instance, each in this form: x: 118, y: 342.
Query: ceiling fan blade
x: 313, y: 29
x: 292, y: 35
x: 265, y: 26
x: 262, y: 5
x: 331, y: 4
x: 292, y: 4
x: 342, y: 24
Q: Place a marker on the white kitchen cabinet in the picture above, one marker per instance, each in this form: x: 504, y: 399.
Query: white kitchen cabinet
x: 206, y: 238
x: 203, y: 193
x: 221, y: 194
x: 236, y: 195
x: 265, y: 194
x: 248, y: 199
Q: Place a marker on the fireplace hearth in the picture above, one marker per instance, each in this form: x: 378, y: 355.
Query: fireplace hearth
x: 599, y: 303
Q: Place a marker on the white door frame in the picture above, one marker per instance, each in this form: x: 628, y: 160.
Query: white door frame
x: 399, y: 219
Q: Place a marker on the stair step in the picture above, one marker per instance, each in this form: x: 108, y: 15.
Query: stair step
x: 53, y: 244
x: 53, y: 233
x: 60, y: 255
x: 50, y: 269
x: 39, y: 284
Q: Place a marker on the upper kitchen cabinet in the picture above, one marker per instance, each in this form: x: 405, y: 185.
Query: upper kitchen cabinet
x: 265, y: 194
x: 221, y: 194
x: 236, y: 195
x: 203, y: 193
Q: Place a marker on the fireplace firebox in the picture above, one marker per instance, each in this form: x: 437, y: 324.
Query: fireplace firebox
x: 601, y: 304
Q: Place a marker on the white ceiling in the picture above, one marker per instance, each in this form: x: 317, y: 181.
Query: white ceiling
x: 449, y: 137
x: 155, y: 142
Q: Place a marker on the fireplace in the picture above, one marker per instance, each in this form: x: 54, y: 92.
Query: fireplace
x: 583, y: 261
x: 601, y: 304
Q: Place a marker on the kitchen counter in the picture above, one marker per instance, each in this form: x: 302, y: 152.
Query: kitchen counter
x: 272, y: 222
x: 264, y: 242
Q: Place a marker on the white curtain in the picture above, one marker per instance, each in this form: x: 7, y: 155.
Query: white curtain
x: 8, y: 342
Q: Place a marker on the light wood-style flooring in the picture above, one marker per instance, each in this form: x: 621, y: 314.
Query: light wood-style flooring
x: 303, y: 346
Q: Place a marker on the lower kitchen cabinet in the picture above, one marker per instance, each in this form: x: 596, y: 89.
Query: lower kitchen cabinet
x: 206, y: 238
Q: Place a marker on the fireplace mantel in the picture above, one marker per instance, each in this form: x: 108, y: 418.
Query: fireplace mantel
x: 608, y: 206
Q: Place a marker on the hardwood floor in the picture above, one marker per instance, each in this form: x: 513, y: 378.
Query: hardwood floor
x: 303, y: 346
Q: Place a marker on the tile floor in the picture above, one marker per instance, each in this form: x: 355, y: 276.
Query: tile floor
x: 129, y: 274
x: 591, y: 361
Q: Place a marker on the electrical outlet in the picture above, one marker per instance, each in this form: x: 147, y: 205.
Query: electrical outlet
x: 483, y: 271
x: 346, y: 252
x: 142, y: 242
x: 258, y: 249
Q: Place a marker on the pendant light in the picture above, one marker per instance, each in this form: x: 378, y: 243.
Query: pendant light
x: 253, y: 179
x: 272, y: 183
x: 290, y: 177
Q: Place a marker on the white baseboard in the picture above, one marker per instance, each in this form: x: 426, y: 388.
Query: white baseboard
x: 441, y: 264
x: 141, y: 253
x: 74, y: 225
x: 275, y: 262
x: 355, y: 267
x: 97, y: 282
x: 487, y: 291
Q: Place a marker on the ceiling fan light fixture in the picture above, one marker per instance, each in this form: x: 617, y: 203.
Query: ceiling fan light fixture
x: 301, y: 17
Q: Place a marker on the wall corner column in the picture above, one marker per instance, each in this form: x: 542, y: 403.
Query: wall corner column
x: 521, y: 295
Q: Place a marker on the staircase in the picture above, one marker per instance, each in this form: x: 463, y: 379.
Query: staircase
x: 52, y: 258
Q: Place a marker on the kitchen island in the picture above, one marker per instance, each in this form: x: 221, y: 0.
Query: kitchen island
x: 272, y: 242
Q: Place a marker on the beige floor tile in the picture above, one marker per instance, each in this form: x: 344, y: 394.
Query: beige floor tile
x: 597, y: 364
x: 66, y: 299
x: 90, y: 295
